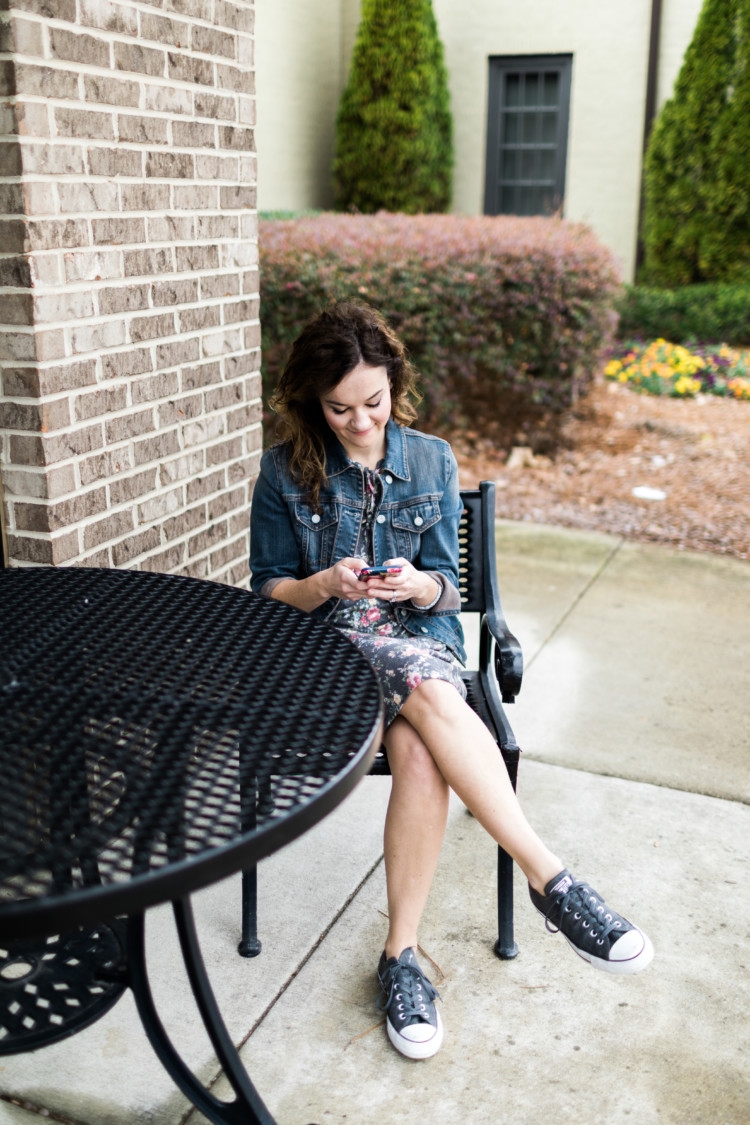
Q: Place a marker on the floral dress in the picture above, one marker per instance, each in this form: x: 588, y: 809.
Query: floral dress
x: 401, y: 661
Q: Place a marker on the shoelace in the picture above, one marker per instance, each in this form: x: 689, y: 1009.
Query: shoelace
x: 588, y: 910
x: 408, y: 985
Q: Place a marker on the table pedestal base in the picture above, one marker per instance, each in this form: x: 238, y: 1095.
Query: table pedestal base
x: 55, y: 986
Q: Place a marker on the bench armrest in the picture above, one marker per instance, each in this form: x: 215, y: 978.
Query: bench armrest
x: 508, y: 657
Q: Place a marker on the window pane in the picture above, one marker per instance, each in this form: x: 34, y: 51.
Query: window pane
x: 528, y: 165
x: 530, y: 121
x: 531, y: 90
x: 508, y: 201
x: 529, y: 201
x: 549, y: 128
x: 547, y: 164
x: 551, y: 88
x: 511, y: 129
x: 526, y: 135
x: 513, y: 89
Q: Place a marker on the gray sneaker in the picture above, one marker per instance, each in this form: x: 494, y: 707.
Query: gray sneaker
x: 596, y: 932
x: 412, y: 1020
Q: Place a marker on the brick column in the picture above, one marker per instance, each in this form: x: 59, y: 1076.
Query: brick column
x: 129, y: 333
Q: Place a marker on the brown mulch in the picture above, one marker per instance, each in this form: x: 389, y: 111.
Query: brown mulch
x: 696, y: 451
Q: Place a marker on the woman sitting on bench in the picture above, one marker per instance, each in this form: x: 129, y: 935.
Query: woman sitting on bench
x: 355, y: 520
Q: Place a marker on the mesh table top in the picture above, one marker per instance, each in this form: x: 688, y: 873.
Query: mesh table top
x: 139, y: 715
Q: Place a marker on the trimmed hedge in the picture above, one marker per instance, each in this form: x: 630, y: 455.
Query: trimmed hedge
x: 494, y: 310
x: 712, y: 313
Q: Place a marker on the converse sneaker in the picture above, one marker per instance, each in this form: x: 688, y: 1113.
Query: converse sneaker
x: 600, y: 936
x: 412, y: 1020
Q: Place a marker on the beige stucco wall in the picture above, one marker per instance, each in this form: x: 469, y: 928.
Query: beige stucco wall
x: 609, y: 42
x: 303, y: 50
x: 679, y: 18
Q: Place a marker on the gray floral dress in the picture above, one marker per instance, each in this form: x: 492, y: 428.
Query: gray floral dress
x: 401, y: 661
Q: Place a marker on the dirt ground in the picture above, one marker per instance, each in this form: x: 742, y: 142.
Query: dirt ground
x: 696, y: 452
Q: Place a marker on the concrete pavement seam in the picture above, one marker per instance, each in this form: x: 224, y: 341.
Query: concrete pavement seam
x: 576, y: 601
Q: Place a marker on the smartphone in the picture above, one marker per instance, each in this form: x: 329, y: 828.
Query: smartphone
x: 377, y: 572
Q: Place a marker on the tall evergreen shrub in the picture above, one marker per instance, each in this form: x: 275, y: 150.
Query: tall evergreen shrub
x: 681, y: 161
x: 394, y: 148
x: 725, y: 241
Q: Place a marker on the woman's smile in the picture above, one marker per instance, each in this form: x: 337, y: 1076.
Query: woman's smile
x: 357, y: 410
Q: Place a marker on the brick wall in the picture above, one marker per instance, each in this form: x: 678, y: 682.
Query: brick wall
x: 129, y: 333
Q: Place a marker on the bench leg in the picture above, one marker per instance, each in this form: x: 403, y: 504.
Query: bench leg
x: 505, y: 946
x: 249, y: 945
x: 251, y: 795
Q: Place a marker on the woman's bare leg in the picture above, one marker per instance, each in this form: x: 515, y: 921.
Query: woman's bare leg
x: 467, y: 757
x: 414, y: 830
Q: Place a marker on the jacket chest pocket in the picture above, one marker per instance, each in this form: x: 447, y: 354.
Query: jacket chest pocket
x: 316, y: 534
x: 409, y: 523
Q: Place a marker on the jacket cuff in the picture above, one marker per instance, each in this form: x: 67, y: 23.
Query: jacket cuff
x: 268, y: 587
x: 448, y: 599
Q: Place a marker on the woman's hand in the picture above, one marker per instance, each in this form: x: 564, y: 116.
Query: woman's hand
x: 409, y: 584
x: 341, y: 580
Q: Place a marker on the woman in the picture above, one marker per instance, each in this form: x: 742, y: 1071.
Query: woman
x: 350, y: 486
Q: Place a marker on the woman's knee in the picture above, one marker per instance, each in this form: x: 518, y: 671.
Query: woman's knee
x: 439, y: 697
x: 408, y: 757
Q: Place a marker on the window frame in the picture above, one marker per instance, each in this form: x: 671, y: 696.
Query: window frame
x: 499, y: 67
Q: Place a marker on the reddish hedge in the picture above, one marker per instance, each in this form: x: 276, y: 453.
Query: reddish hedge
x: 492, y: 309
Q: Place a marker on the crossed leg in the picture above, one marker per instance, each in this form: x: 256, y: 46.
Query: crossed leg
x: 437, y: 743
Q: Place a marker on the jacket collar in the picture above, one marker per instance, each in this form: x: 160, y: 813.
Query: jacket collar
x: 396, y: 460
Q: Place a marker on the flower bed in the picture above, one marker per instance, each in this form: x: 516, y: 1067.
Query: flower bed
x: 662, y: 368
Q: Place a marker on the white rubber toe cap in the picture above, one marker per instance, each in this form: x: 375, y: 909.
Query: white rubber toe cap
x: 418, y: 1040
x: 630, y: 953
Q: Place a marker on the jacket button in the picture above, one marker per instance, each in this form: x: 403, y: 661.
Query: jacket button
x: 388, y: 478
x: 380, y: 518
x: 316, y: 518
x: 424, y: 630
x: 418, y: 521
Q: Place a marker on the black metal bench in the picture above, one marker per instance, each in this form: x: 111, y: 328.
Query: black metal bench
x: 497, y: 681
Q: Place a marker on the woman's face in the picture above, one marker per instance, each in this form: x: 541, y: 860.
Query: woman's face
x: 357, y: 410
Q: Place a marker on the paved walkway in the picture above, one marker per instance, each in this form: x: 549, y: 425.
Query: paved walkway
x: 634, y: 722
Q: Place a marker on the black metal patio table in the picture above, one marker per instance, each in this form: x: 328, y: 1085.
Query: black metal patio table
x: 157, y: 733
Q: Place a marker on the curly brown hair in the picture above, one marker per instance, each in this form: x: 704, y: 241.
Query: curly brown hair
x: 331, y: 345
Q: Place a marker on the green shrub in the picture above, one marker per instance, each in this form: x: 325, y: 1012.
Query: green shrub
x: 495, y: 311
x: 697, y: 173
x: 712, y: 313
x: 394, y: 133
x: 680, y: 166
x: 725, y: 243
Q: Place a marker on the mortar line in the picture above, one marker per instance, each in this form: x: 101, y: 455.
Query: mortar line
x: 574, y: 604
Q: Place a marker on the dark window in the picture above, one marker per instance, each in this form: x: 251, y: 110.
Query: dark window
x: 527, y: 134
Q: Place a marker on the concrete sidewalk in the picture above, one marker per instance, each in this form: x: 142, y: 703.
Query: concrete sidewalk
x: 633, y: 718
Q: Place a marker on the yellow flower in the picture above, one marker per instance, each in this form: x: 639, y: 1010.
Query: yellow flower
x: 687, y: 386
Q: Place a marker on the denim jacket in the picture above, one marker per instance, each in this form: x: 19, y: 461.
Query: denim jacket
x: 417, y: 518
